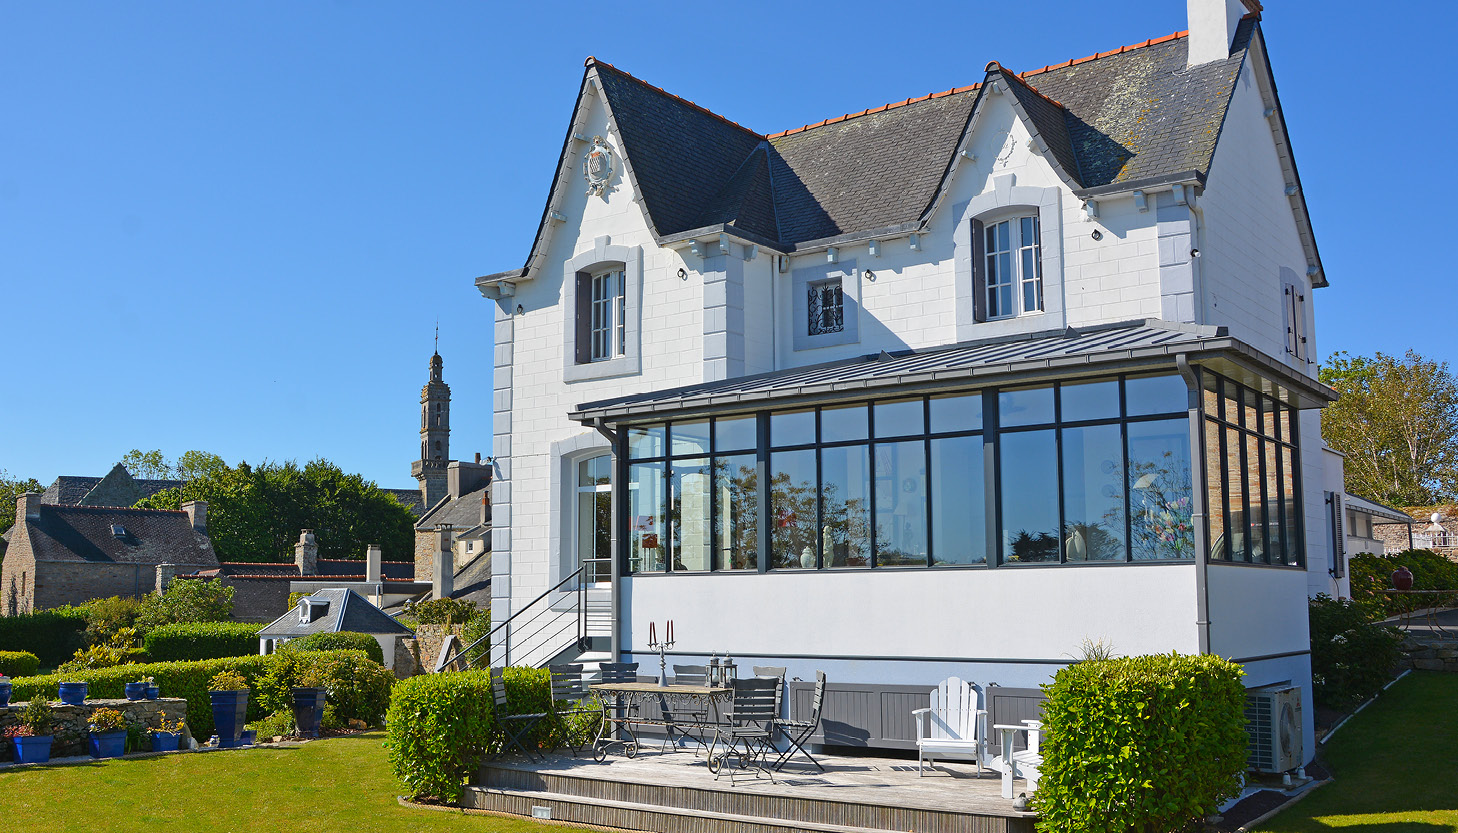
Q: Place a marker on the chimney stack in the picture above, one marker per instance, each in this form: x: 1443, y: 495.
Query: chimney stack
x: 444, y: 567
x: 165, y: 574
x: 374, y: 569
x: 1212, y: 25
x: 27, y: 507
x: 197, y: 514
x: 306, y: 553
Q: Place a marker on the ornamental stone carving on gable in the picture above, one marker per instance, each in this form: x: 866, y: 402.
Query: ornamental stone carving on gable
x: 597, y: 167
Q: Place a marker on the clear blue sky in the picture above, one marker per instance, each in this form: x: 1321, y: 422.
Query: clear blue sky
x: 233, y: 226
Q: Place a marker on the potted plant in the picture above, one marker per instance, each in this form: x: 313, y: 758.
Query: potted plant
x: 4, y: 691
x: 151, y: 688
x: 309, y: 697
x: 31, y: 739
x: 137, y: 690
x: 73, y: 693
x: 229, y: 693
x: 168, y: 736
x: 108, y: 728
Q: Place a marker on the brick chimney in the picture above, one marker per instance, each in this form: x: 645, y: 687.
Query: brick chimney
x: 27, y: 508
x: 197, y: 513
x: 306, y: 553
x: 374, y: 569
x: 1212, y: 26
x: 443, y: 563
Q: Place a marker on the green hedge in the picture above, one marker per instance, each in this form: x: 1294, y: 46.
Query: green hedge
x: 201, y: 640
x: 1140, y: 743
x: 52, y: 635
x: 359, y: 688
x: 342, y: 641
x: 1352, y: 656
x: 1370, y: 574
x: 18, y: 663
x: 440, y: 725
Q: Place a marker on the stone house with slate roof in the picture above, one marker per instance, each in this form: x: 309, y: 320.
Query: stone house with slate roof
x: 332, y: 611
x: 71, y: 554
x: 946, y: 386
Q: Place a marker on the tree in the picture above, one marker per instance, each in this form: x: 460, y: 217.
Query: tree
x: 11, y: 488
x: 186, y: 600
x: 148, y: 465
x: 255, y: 512
x: 1397, y: 422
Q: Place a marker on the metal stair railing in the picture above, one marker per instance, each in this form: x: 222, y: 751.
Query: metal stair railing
x: 537, y: 626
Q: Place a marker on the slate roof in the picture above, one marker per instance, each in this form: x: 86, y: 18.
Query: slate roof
x: 349, y: 568
x: 463, y: 512
x: 70, y: 490
x: 1069, y: 352
x: 348, y: 611
x: 472, y: 582
x: 84, y: 534
x: 1111, y: 120
x: 410, y: 499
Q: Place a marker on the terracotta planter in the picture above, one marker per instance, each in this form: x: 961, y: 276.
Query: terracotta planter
x: 1402, y: 578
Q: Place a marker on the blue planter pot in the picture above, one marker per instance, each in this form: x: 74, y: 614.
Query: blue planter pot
x: 108, y: 744
x: 151, y: 692
x: 308, y: 709
x: 136, y: 691
x: 166, y: 741
x: 230, y: 712
x: 73, y: 694
x: 4, y: 695
x: 33, y: 750
x: 248, y: 737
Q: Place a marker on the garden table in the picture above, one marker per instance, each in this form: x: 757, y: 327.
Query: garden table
x: 1429, y: 613
x: 616, y: 695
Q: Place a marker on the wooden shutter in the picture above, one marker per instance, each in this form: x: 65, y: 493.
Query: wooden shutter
x: 1295, y: 303
x: 1338, y: 534
x: 979, y: 273
x: 582, y: 325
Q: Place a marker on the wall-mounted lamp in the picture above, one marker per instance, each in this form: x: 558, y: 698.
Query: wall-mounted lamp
x: 870, y: 276
x: 1097, y: 235
x: 682, y: 274
x: 1194, y: 252
x: 520, y: 309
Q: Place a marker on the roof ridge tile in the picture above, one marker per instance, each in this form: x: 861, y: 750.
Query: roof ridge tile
x: 881, y: 109
x: 1129, y: 48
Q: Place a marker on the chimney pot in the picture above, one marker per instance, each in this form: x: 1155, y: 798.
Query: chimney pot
x: 444, y: 567
x: 374, y: 568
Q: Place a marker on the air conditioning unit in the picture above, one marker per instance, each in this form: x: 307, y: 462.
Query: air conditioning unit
x: 1273, y: 720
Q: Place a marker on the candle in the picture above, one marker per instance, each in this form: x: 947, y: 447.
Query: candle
x: 652, y: 634
x: 670, y: 630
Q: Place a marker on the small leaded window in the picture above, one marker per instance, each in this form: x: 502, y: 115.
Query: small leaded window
x: 827, y: 307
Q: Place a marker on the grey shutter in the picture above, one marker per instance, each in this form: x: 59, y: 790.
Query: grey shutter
x: 979, y: 273
x: 583, y: 323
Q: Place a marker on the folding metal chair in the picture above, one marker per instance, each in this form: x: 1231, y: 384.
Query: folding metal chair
x: 749, y: 727
x: 516, y: 729
x: 569, y: 705
x: 798, y: 732
x: 616, y: 716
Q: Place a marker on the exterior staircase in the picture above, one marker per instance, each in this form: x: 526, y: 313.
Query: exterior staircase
x: 569, y: 623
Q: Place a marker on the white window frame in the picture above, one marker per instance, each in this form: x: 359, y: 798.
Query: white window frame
x: 578, y: 489
x: 577, y: 274
x: 608, y: 328
x: 1024, y: 260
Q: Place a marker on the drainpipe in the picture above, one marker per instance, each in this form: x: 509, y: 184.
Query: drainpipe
x: 614, y: 537
x: 1197, y: 493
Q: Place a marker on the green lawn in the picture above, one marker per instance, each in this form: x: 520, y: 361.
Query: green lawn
x: 1396, y: 766
x: 342, y: 784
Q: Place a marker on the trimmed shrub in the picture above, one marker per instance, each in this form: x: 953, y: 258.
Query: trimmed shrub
x: 359, y: 688
x: 440, y: 611
x: 1140, y: 743
x: 1370, y: 574
x: 1352, y: 656
x: 18, y: 663
x: 201, y: 640
x: 440, y: 725
x: 106, y: 617
x: 52, y: 635
x: 342, y: 641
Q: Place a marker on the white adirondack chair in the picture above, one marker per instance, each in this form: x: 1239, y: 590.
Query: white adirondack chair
x: 1024, y: 763
x: 951, y: 725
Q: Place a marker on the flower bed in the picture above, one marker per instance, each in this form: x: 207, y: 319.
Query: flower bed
x: 69, y: 722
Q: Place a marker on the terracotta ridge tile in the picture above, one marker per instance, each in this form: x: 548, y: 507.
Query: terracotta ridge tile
x: 592, y: 61
x: 1119, y: 51
x: 883, y: 108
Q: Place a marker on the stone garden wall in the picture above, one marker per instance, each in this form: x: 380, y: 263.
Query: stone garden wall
x: 1430, y: 653
x: 70, y: 721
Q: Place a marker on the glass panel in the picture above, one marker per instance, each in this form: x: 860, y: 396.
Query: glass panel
x: 959, y: 522
x: 1028, y: 481
x: 792, y: 510
x: 1003, y: 232
x: 1161, y: 504
x: 792, y: 428
x: 736, y: 521
x: 689, y: 438
x: 645, y: 441
x: 901, y: 533
x: 595, y: 471
x: 900, y: 419
x: 1211, y: 383
x: 1247, y: 399
x: 848, y: 423
x: 646, y: 511
x: 845, y: 493
x: 690, y: 513
x: 1155, y: 395
x: 1232, y: 402
x: 1025, y: 406
x: 1093, y: 493
x: 1215, y: 493
x: 594, y: 534
x: 736, y: 433
x: 1235, y: 479
x: 1288, y: 502
x: 1258, y: 551
x: 1273, y: 505
x: 1089, y: 400
x: 1288, y: 425
x: 1268, y: 416
x: 956, y: 413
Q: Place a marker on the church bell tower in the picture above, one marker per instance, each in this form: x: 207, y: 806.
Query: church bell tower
x: 435, y: 436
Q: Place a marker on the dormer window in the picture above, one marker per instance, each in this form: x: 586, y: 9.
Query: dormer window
x: 826, y: 304
x: 310, y: 609
x: 1013, y: 267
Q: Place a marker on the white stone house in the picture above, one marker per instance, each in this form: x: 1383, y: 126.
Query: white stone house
x: 945, y: 387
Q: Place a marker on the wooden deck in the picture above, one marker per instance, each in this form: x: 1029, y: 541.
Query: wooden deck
x: 674, y: 792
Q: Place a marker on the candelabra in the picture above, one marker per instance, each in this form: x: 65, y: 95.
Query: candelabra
x: 661, y: 646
